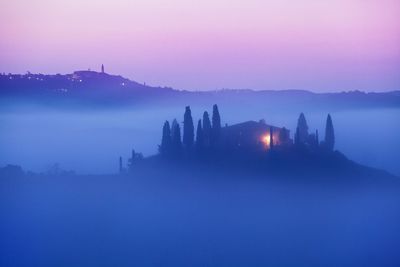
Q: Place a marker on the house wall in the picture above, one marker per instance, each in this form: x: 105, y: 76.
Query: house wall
x: 250, y: 138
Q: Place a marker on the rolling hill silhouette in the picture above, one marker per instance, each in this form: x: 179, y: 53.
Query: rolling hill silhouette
x: 102, y: 89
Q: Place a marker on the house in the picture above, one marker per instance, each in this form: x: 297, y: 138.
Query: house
x: 252, y: 135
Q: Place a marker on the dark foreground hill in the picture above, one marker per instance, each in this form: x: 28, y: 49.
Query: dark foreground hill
x: 280, y: 165
x: 192, y: 214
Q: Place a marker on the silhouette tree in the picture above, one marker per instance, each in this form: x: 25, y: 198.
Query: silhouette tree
x: 206, y: 129
x: 134, y: 158
x: 271, y: 137
x: 188, y: 129
x: 302, y: 129
x: 173, y: 125
x: 176, y: 138
x: 316, y: 137
x: 11, y: 171
x: 199, y: 138
x: 216, y: 126
x: 166, y: 141
x: 329, y: 134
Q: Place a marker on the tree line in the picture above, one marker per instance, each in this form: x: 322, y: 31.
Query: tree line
x: 302, y: 136
x: 208, y: 134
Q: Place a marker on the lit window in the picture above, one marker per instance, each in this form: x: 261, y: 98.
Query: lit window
x: 266, y: 139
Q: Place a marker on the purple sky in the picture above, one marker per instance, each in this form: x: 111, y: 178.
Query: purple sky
x: 330, y: 45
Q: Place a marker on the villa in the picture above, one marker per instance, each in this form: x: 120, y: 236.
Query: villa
x: 253, y: 135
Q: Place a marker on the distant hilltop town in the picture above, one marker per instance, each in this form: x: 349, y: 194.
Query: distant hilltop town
x: 85, y: 87
x: 82, y: 85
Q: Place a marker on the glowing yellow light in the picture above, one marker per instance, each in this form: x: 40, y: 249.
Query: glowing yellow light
x: 266, y: 140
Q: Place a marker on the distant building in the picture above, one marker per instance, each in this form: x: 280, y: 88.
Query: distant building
x: 102, y: 68
x: 253, y: 135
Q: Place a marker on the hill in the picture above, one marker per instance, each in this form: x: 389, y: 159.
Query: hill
x: 84, y: 88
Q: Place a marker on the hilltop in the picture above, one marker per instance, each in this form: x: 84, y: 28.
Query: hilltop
x: 252, y: 149
x: 105, y: 90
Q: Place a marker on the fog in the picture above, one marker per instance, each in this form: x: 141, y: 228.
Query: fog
x: 167, y: 217
x: 192, y: 215
x: 91, y: 141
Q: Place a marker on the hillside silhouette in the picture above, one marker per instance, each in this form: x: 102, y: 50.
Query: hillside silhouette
x: 102, y: 89
x: 251, y: 148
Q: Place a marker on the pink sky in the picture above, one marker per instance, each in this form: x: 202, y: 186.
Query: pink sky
x: 329, y: 45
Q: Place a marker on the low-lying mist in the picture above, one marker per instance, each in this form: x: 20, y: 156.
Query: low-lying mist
x: 165, y: 215
x: 91, y: 141
x: 173, y: 217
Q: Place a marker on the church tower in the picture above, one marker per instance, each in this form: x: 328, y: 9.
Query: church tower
x: 102, y: 68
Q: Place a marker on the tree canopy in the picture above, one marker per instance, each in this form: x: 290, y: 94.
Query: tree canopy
x: 206, y: 129
x: 188, y: 129
x: 199, y: 138
x: 176, y: 138
x: 216, y: 126
x: 302, y: 129
x: 329, y: 134
x: 166, y: 141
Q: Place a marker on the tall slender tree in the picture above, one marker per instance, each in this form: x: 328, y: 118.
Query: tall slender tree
x: 271, y: 137
x: 206, y: 129
x: 199, y: 138
x: 176, y: 138
x: 188, y: 129
x: 216, y: 126
x: 173, y: 125
x: 166, y: 140
x: 302, y: 129
x: 329, y: 134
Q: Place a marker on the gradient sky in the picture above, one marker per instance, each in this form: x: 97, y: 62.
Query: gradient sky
x: 330, y: 45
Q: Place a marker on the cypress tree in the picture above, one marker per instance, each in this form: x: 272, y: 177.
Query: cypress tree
x: 188, y: 129
x: 329, y: 134
x: 166, y: 141
x: 271, y: 137
x: 176, y: 138
x: 206, y: 129
x: 316, y: 137
x: 199, y: 138
x: 302, y: 129
x: 216, y: 125
x: 173, y: 125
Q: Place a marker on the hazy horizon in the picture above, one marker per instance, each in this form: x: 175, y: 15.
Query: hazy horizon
x: 217, y: 89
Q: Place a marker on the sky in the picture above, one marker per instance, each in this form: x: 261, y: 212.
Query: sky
x: 322, y: 46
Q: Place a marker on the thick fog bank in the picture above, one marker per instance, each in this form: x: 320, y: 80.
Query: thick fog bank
x: 91, y: 141
x: 169, y: 217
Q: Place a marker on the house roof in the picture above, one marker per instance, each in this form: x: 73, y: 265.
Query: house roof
x: 249, y: 126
